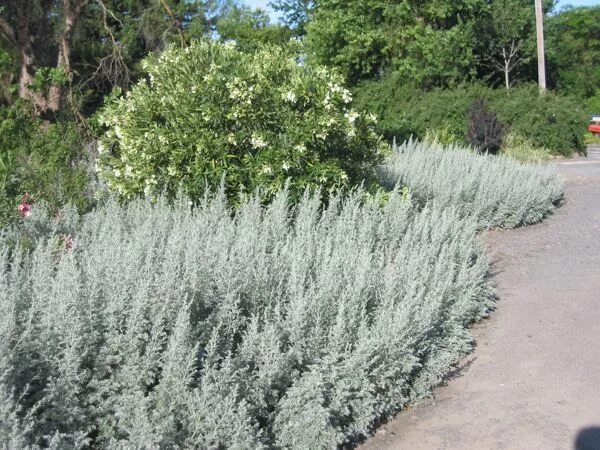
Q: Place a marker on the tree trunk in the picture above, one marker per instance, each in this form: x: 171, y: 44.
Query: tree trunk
x: 49, y: 101
x: 27, y: 69
x: 71, y: 14
x: 506, y: 69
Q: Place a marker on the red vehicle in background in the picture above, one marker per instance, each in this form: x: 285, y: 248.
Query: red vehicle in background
x: 594, y: 126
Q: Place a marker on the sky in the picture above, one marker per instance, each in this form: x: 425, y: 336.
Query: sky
x: 263, y: 4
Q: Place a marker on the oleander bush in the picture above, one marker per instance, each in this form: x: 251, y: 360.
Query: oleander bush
x: 211, y: 112
x: 499, y: 191
x: 156, y: 325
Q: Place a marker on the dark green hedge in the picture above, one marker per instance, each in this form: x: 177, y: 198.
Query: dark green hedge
x: 553, y: 121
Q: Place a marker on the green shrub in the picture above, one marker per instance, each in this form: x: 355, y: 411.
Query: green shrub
x: 499, y: 191
x: 553, y: 121
x: 211, y: 112
x: 155, y: 326
x: 404, y: 112
x: 591, y: 139
x: 49, y: 161
x: 593, y: 103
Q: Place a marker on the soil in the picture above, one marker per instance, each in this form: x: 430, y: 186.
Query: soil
x: 533, y: 381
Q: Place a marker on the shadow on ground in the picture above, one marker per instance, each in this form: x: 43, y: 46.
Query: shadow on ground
x: 588, y: 439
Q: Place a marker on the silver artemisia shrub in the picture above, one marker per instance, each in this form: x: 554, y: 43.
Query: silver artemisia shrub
x: 499, y: 191
x: 171, y: 326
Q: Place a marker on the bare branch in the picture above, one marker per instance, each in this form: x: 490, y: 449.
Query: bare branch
x: 111, y: 67
x: 175, y: 21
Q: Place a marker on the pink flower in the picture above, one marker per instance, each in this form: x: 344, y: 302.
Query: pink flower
x: 25, y: 205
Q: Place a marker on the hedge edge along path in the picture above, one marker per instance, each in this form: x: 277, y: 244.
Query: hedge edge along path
x: 167, y: 326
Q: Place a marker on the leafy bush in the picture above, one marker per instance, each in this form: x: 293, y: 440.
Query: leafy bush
x: 485, y: 131
x: 153, y: 326
x: 404, y: 112
x: 593, y: 103
x: 49, y: 161
x: 554, y: 121
x: 255, y: 119
x: 498, y: 191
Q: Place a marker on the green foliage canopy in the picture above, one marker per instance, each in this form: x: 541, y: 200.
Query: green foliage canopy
x: 47, y: 161
x: 554, y: 121
x: 428, y: 43
x: 251, y: 28
x: 574, y: 50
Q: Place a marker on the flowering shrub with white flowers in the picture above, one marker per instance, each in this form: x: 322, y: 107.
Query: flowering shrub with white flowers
x: 209, y: 114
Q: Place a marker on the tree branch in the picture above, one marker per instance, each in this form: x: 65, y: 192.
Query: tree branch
x: 175, y: 21
x: 111, y: 67
x: 7, y: 31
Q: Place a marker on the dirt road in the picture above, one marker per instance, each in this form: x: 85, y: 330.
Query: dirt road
x: 534, y: 380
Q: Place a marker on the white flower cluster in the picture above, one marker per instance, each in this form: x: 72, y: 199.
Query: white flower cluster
x: 257, y: 141
x: 289, y: 97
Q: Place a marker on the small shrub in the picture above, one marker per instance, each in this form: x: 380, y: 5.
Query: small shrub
x: 48, y: 161
x: 499, y: 191
x: 156, y: 326
x: 591, y: 139
x: 485, y: 130
x: 441, y: 136
x: 211, y: 113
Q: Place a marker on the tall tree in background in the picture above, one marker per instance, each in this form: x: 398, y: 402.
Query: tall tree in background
x: 59, y: 45
x: 573, y: 44
x: 508, y: 33
x: 429, y: 43
x: 295, y: 13
x: 251, y: 28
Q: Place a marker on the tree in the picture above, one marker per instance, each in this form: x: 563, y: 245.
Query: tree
x: 573, y: 42
x: 251, y: 28
x: 295, y: 13
x: 59, y: 45
x: 429, y: 43
x: 508, y: 31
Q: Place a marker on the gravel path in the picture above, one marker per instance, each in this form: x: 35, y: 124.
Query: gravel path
x: 534, y: 380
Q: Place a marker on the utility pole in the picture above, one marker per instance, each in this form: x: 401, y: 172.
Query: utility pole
x: 539, y: 25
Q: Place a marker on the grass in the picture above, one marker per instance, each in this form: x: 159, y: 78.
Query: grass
x: 591, y: 139
x: 522, y: 150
